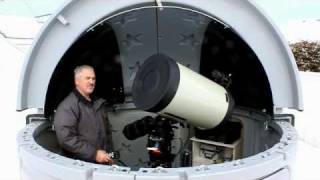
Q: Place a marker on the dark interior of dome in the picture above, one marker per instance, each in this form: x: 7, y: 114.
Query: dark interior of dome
x: 224, y: 58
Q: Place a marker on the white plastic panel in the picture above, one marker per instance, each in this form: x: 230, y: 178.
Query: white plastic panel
x: 39, y: 163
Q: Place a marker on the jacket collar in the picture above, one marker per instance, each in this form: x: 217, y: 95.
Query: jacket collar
x: 95, y: 101
x: 83, y: 99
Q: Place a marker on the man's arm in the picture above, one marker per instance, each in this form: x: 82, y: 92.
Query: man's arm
x: 65, y: 122
x: 103, y: 157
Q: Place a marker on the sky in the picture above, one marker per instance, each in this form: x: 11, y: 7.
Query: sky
x: 297, y: 19
x: 283, y: 11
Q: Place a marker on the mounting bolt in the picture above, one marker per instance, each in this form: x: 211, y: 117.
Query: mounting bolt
x: 115, y: 168
x: 33, y: 147
x: 159, y: 169
x: 78, y: 162
x: 238, y: 162
x: 202, y: 168
x: 51, y: 156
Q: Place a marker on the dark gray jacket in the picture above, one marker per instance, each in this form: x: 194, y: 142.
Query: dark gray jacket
x: 82, y: 126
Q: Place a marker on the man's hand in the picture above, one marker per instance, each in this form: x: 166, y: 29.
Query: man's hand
x: 103, y: 157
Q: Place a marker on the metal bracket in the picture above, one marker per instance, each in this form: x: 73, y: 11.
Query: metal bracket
x: 35, y: 117
x: 285, y: 117
x: 159, y: 4
x: 63, y: 20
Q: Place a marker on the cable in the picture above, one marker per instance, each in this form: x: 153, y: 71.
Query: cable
x: 122, y: 163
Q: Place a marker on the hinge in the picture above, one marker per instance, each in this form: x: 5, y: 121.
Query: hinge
x: 35, y: 117
x: 159, y: 4
x: 285, y: 117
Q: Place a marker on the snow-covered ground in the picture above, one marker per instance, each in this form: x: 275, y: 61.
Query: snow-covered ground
x: 10, y: 64
x: 16, y: 35
x: 307, y: 125
x: 12, y: 52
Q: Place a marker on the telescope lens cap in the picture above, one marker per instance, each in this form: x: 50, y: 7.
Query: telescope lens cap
x: 156, y: 83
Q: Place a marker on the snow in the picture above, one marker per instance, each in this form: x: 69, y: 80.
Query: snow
x: 10, y: 65
x: 307, y: 125
x: 12, y: 57
x: 307, y: 122
x: 19, y: 31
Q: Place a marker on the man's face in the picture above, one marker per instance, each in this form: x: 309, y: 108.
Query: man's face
x: 86, y: 81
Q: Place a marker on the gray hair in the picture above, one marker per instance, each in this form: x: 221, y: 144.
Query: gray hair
x: 78, y: 69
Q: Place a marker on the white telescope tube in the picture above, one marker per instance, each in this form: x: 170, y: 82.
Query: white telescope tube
x: 167, y: 87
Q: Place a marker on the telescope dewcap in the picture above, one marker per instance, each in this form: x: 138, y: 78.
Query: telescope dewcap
x: 156, y: 83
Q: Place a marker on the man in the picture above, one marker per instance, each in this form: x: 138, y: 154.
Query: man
x: 80, y: 121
